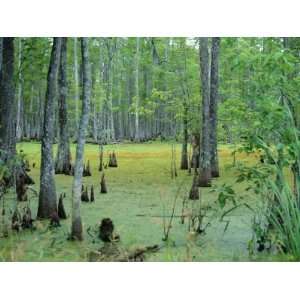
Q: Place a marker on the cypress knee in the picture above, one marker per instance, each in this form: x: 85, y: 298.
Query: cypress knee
x: 92, y: 197
x: 61, y: 210
x: 103, y: 185
x: 194, y: 192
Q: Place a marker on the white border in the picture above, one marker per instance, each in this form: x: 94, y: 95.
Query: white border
x: 149, y: 18
x: 149, y: 281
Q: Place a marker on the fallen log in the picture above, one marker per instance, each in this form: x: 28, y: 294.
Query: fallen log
x: 111, y: 252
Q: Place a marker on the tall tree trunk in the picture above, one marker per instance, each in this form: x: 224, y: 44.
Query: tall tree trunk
x: 30, y: 115
x: 120, y: 113
x: 137, y: 91
x: 7, y: 109
x: 213, y: 106
x: 41, y: 113
x: 185, y: 90
x: 76, y: 83
x: 204, y: 166
x: 19, y: 104
x: 47, y: 197
x: 63, y: 157
x: 184, y: 153
x: 110, y: 110
x: 109, y: 88
x: 76, y: 230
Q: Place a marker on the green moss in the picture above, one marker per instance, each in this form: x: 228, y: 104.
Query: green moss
x: 137, y: 190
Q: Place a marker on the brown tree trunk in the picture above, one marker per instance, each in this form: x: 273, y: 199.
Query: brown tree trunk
x: 47, y: 197
x: 7, y: 109
x: 76, y: 230
x: 63, y: 157
x: 204, y: 166
x: 184, y: 153
x: 213, y: 106
x: 20, y: 100
x: 137, y: 91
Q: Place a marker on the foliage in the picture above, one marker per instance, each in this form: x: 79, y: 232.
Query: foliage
x: 270, y: 179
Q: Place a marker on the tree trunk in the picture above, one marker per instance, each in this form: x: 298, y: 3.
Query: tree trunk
x: 76, y: 83
x: 47, y: 197
x: 41, y: 114
x: 184, y: 153
x: 63, y: 158
x: 110, y: 136
x: 213, y: 106
x: 76, y: 230
x: 185, y: 91
x: 19, y: 105
x: 137, y: 91
x: 7, y: 113
x: 204, y: 166
x: 30, y: 115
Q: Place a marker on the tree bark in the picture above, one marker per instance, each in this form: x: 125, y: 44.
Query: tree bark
x: 7, y: 109
x: 213, y: 106
x: 184, y: 152
x: 76, y: 230
x: 19, y: 105
x: 185, y: 91
x: 76, y: 83
x: 204, y: 166
x: 110, y: 128
x: 137, y: 91
x: 63, y: 158
x: 47, y: 196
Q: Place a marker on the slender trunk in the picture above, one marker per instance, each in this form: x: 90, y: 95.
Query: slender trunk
x: 76, y: 82
x: 41, y: 114
x: 7, y: 110
x: 95, y: 122
x: 110, y: 136
x: 19, y: 105
x: 47, y: 197
x: 63, y: 157
x: 184, y: 153
x: 204, y: 166
x: 119, y: 99
x: 110, y: 112
x: 185, y: 90
x: 213, y: 106
x: 137, y: 91
x: 109, y: 89
x: 76, y: 230
x: 30, y: 115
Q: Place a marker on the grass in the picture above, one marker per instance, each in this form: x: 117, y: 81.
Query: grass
x: 137, y: 192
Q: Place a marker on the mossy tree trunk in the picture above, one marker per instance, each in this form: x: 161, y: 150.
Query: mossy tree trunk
x: 20, y: 92
x: 185, y: 89
x: 63, y: 157
x: 7, y: 109
x: 47, y: 196
x: 76, y: 230
x: 204, y: 166
x: 213, y: 106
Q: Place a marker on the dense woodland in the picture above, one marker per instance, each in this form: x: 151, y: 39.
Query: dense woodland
x: 221, y: 114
